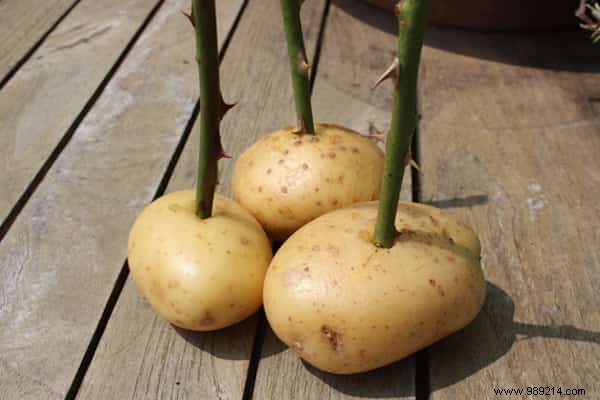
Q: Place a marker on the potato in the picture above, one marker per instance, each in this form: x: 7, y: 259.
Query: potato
x: 346, y: 306
x: 199, y: 274
x: 286, y: 180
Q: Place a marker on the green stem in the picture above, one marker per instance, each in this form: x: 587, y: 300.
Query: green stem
x: 412, y: 19
x: 290, y: 10
x: 207, y: 56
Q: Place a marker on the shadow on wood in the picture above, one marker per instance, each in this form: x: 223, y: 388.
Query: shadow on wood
x: 373, y: 384
x: 562, y: 51
x: 221, y: 343
x: 474, y: 348
x: 393, y: 381
x: 462, y: 202
x: 368, y: 14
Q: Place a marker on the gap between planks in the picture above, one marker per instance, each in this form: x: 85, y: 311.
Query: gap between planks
x: 36, y: 45
x: 422, y: 371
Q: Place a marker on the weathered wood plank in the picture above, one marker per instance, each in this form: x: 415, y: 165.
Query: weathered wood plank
x: 143, y: 357
x: 39, y: 104
x: 22, y: 24
x: 510, y: 142
x: 61, y: 258
x: 355, y: 52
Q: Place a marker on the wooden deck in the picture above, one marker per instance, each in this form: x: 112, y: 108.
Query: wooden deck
x: 97, y: 112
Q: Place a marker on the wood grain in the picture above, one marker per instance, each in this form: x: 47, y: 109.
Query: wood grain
x: 143, y: 357
x: 39, y: 104
x: 61, y: 258
x: 510, y: 143
x: 355, y: 52
x: 22, y: 24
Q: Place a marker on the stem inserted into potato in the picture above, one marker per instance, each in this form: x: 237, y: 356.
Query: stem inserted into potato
x: 212, y: 106
x: 299, y: 66
x: 297, y: 174
x: 412, y: 20
x: 200, y: 258
x: 331, y: 294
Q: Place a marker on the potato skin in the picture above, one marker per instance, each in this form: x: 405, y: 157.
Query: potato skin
x: 286, y: 180
x: 199, y: 274
x: 346, y: 306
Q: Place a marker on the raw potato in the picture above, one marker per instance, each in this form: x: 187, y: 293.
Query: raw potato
x: 346, y: 306
x: 286, y: 180
x: 199, y: 274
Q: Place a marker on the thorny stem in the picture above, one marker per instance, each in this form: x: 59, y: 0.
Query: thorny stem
x: 299, y: 67
x: 211, y: 103
x: 412, y: 20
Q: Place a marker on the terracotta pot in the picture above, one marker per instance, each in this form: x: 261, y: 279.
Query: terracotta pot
x: 499, y: 14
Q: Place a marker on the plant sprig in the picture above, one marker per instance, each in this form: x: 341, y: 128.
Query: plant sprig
x: 589, y: 21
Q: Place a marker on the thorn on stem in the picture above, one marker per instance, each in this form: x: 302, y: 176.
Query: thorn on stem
x: 416, y: 166
x: 409, y: 161
x: 398, y: 8
x: 393, y: 72
x: 190, y: 17
x: 375, y: 133
x: 220, y: 151
x: 223, y: 108
x: 303, y: 66
x: 226, y: 107
x: 399, y: 12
